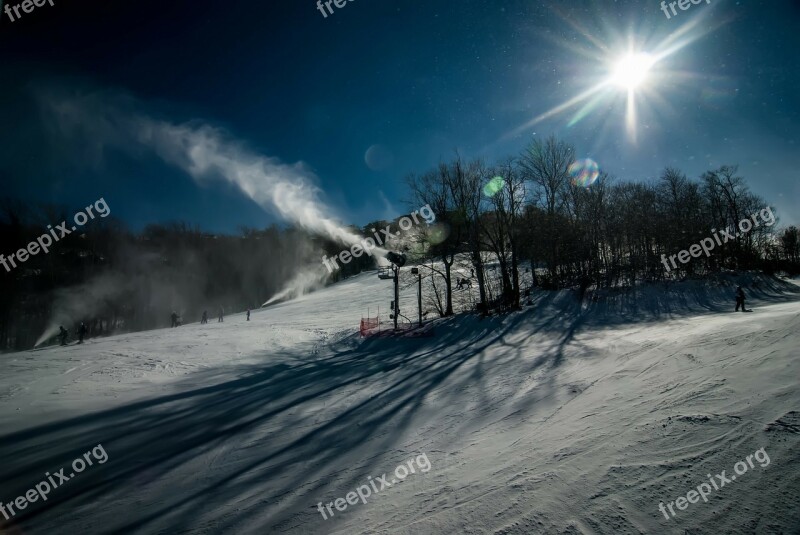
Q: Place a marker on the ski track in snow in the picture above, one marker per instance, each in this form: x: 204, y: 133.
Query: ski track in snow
x: 541, y: 422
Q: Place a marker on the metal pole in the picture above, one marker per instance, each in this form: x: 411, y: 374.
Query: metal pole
x: 419, y: 297
x: 396, y: 295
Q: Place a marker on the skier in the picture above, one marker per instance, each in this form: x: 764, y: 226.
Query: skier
x: 63, y: 334
x: 174, y: 317
x: 248, y: 314
x: 204, y: 319
x: 739, y: 299
x: 82, y: 330
x: 221, y: 319
x: 585, y: 280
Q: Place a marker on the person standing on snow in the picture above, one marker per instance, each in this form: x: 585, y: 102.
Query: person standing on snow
x: 739, y: 299
x: 204, y: 319
x: 63, y: 334
x: 220, y: 319
x: 174, y: 317
x: 82, y: 330
x: 248, y: 314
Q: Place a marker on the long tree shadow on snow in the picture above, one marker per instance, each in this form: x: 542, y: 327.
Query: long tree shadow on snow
x: 146, y: 441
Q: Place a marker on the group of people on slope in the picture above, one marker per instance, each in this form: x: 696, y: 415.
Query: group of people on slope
x: 220, y: 318
x: 82, y: 330
x: 464, y: 282
x: 63, y: 334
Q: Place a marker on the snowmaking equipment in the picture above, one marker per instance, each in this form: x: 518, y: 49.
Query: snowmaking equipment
x: 398, y: 260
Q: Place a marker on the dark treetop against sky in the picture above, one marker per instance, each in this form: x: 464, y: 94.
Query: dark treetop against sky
x: 416, y: 79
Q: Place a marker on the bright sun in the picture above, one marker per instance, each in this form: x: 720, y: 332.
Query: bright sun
x: 631, y: 70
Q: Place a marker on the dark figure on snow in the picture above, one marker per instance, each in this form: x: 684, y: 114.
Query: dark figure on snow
x: 204, y: 319
x: 585, y: 280
x: 63, y: 334
x: 248, y: 314
x: 739, y: 299
x: 220, y: 319
x: 82, y: 330
x: 174, y: 317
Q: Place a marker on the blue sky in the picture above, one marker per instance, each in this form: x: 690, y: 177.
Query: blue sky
x: 420, y: 79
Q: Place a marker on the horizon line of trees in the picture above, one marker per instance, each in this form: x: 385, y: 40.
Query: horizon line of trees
x: 609, y: 233
x: 538, y: 219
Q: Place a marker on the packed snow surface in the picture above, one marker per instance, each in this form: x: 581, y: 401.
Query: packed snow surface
x: 561, y: 418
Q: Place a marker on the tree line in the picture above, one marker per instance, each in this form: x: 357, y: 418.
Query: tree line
x: 609, y: 233
x: 535, y: 218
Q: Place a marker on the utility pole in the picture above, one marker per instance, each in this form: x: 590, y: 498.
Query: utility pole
x: 396, y: 294
x: 416, y: 271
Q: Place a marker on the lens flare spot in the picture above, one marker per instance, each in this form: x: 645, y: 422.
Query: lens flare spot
x: 584, y: 172
x: 438, y: 233
x: 493, y: 186
x: 378, y: 158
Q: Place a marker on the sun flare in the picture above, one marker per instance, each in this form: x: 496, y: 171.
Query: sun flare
x: 632, y: 70
x: 619, y: 70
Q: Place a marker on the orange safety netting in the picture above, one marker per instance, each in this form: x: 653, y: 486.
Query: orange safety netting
x: 368, y: 325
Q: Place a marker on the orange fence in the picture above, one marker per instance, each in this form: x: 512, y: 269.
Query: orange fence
x: 372, y: 327
x: 369, y: 325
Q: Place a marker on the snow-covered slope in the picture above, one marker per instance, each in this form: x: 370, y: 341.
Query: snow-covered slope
x: 557, y: 419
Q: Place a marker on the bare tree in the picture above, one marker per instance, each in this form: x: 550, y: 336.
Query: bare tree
x: 465, y: 182
x: 502, y: 227
x: 546, y: 164
x: 434, y: 188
